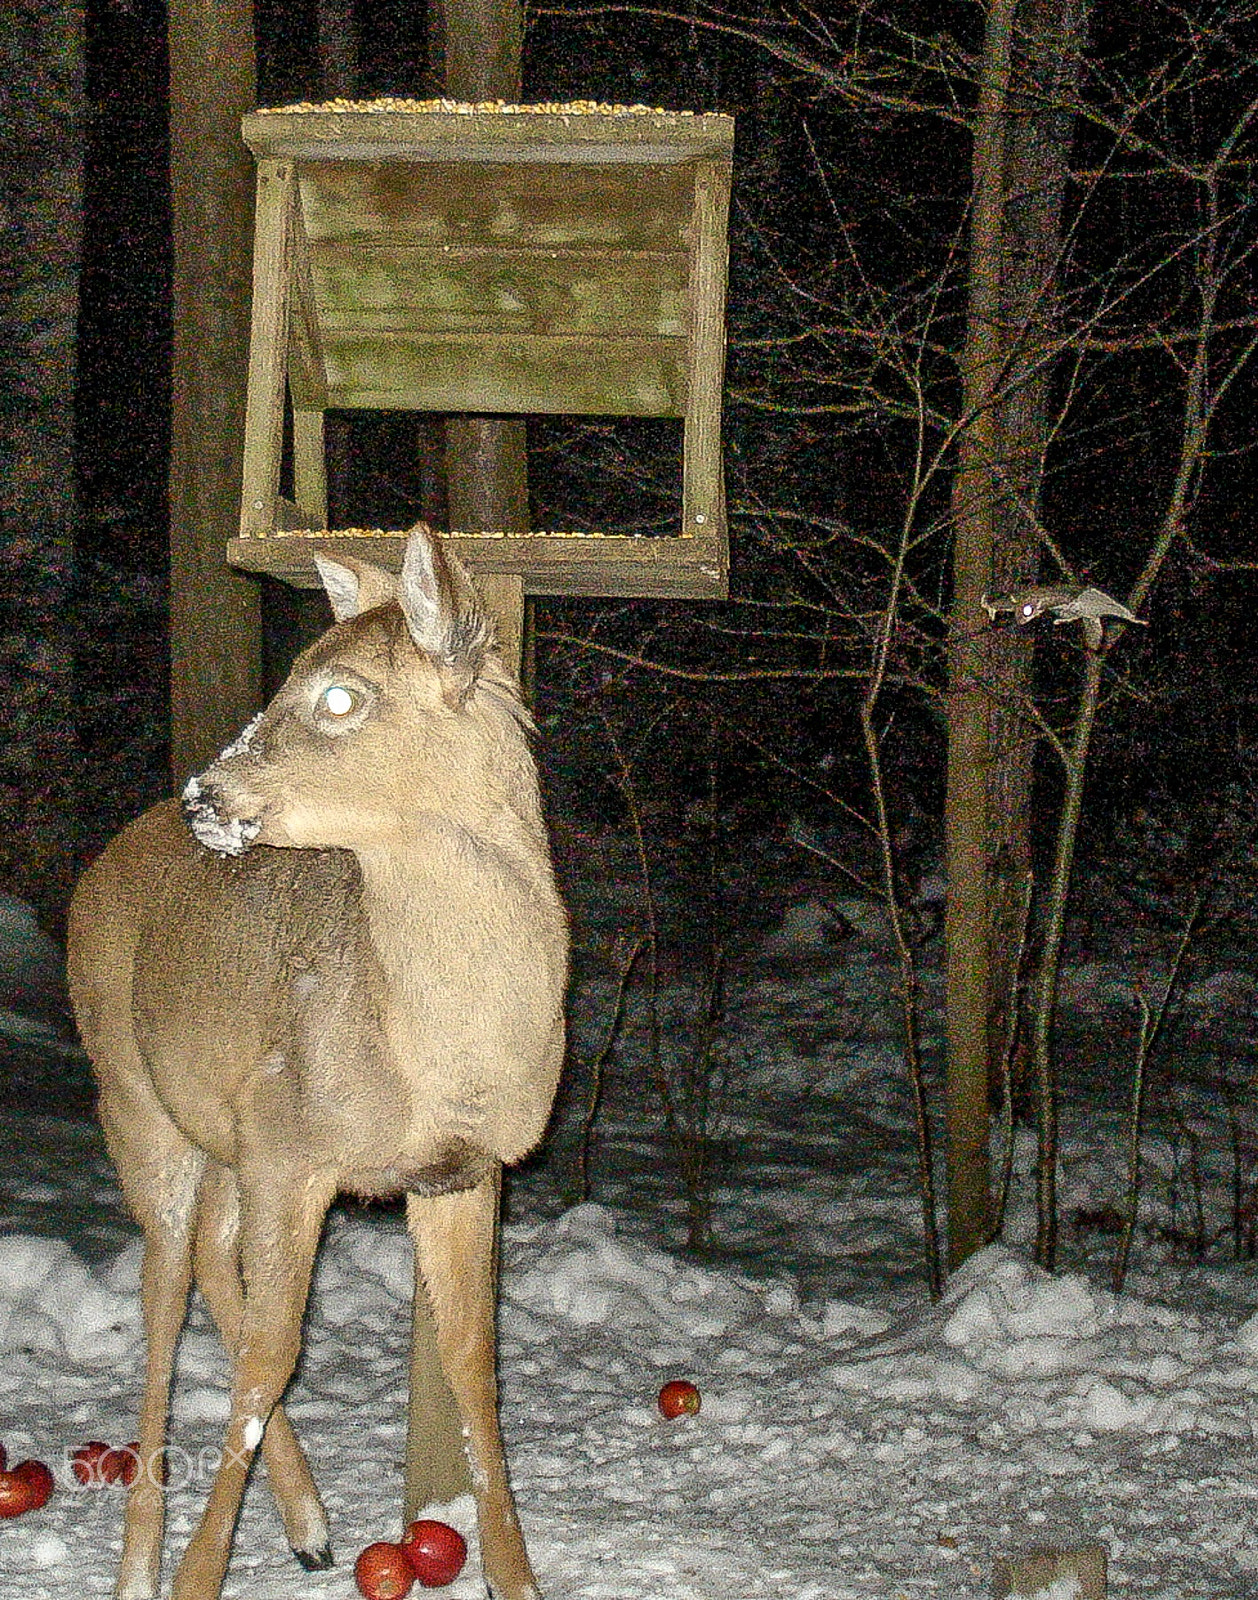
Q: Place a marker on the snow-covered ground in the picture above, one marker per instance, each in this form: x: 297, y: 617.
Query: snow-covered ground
x: 854, y: 1440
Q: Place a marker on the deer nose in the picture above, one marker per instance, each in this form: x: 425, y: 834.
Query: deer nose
x: 211, y: 825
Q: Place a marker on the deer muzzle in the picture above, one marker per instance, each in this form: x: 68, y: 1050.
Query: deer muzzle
x: 212, y: 825
x: 215, y: 821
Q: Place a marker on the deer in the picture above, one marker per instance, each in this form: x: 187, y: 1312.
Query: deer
x: 338, y: 965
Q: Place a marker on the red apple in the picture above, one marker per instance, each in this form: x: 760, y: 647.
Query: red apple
x: 24, y: 1488
x: 38, y: 1479
x: 121, y: 1464
x: 679, y: 1398
x: 383, y: 1571
x: 87, y: 1464
x: 436, y: 1551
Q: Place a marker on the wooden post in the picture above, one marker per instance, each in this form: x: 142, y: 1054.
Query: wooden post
x: 215, y: 613
x: 487, y: 487
x: 503, y: 593
x: 478, y: 42
x: 264, y: 413
x: 709, y: 253
x: 479, y: 46
x: 436, y: 1466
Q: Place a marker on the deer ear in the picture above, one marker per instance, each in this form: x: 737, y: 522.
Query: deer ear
x: 355, y: 586
x: 424, y: 593
x: 442, y: 612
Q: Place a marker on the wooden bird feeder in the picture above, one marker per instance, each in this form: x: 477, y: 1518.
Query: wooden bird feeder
x: 494, y: 261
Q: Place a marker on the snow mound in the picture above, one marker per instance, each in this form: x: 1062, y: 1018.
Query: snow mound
x: 840, y: 1319
x: 1010, y: 1316
x: 50, y: 1300
x: 578, y: 1271
x: 1058, y: 1352
x: 810, y: 925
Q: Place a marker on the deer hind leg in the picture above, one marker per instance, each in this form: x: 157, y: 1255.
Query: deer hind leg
x: 160, y: 1172
x: 454, y: 1246
x: 216, y: 1265
x: 281, y: 1217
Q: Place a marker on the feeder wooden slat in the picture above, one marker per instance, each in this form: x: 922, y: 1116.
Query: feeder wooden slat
x: 610, y: 565
x: 310, y: 470
x: 268, y: 345
x: 307, y: 376
x: 537, y: 206
x: 473, y: 289
x: 507, y: 375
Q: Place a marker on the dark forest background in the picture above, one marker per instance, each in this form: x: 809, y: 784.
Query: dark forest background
x: 989, y: 293
x: 816, y: 181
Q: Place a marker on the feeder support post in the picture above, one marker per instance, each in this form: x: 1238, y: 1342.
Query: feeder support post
x: 479, y: 43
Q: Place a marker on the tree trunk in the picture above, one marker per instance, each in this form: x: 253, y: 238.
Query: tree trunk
x: 476, y: 48
x: 42, y: 103
x: 1047, y: 53
x: 1021, y: 146
x: 965, y: 815
x: 338, y: 48
x: 215, y: 614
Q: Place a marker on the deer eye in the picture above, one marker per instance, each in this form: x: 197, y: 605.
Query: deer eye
x: 338, y: 701
x: 1028, y: 609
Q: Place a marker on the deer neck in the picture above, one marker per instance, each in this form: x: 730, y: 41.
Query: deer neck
x: 470, y: 944
x: 436, y: 871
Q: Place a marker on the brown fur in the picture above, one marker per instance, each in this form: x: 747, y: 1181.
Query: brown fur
x: 367, y: 997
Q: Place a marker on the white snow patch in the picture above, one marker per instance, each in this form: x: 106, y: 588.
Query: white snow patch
x: 582, y: 1273
x: 854, y: 1441
x: 841, y: 1318
x: 33, y: 1549
x: 1247, y: 1335
x: 201, y: 1403
x: 52, y: 1301
x: 243, y: 742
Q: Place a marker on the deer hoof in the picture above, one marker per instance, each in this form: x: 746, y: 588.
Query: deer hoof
x: 316, y: 1560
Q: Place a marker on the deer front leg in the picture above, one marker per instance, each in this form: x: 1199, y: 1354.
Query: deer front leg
x: 164, y: 1277
x: 454, y: 1238
x: 159, y: 1172
x: 218, y: 1278
x: 281, y: 1218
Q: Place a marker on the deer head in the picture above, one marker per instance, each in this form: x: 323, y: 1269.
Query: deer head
x: 398, y: 709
